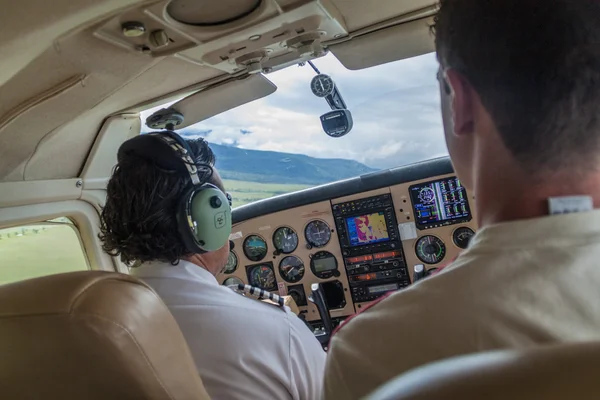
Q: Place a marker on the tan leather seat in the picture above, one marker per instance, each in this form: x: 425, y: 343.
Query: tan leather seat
x: 91, y: 335
x: 565, y: 372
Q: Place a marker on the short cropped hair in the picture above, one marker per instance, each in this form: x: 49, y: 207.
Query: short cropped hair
x: 536, y: 67
x: 138, y: 222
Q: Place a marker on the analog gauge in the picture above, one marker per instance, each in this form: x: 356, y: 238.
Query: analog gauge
x: 255, y: 248
x: 317, y: 233
x: 322, y: 85
x: 262, y: 276
x: 233, y: 281
x: 462, y: 236
x: 232, y: 262
x: 430, y: 249
x: 285, y: 240
x: 291, y: 269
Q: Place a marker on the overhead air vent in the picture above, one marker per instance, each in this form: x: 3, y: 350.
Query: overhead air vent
x: 211, y: 12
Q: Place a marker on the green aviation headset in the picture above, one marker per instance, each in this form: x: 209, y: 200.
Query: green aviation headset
x: 204, y: 212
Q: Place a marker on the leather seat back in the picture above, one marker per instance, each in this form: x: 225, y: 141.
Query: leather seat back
x: 566, y: 371
x: 91, y: 335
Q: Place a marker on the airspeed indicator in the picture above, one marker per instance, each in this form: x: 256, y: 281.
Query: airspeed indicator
x: 285, y: 240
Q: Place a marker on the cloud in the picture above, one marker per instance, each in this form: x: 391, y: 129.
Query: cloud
x: 395, y: 108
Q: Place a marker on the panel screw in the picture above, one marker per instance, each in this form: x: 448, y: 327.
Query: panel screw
x: 144, y: 49
x: 79, y: 183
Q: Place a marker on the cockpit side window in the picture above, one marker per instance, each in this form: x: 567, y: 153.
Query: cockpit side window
x: 40, y: 249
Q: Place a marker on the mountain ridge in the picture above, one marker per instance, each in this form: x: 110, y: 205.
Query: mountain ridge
x: 278, y: 167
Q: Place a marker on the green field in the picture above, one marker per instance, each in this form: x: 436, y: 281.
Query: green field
x: 37, y: 250
x: 248, y: 192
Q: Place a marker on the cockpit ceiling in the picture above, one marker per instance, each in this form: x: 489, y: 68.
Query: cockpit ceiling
x: 67, y: 65
x: 360, y: 14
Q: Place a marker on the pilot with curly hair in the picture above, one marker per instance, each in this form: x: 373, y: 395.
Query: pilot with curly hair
x: 243, y: 348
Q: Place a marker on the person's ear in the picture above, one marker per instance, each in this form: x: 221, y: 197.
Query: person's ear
x: 462, y: 97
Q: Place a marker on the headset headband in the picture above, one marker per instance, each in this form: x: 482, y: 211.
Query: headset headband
x: 183, y: 152
x: 178, y: 155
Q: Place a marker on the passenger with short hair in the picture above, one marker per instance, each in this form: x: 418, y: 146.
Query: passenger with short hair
x: 520, y: 89
x: 167, y: 209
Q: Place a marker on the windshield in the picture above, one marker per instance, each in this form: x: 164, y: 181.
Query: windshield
x: 277, y: 145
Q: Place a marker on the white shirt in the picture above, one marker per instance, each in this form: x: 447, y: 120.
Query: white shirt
x: 243, y: 348
x: 520, y: 284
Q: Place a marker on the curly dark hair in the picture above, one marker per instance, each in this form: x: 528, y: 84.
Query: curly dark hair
x: 138, y: 221
x: 536, y: 67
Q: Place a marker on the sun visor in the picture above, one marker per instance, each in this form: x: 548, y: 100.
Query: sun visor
x: 215, y: 100
x: 386, y: 45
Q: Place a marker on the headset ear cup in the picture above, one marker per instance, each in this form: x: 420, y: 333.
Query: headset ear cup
x: 205, y: 219
x: 185, y: 225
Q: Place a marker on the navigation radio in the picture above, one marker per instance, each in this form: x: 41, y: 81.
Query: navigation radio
x: 373, y: 257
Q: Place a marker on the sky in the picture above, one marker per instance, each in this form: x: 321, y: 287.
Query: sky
x: 395, y: 108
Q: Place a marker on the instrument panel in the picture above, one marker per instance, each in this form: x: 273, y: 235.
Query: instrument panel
x: 359, y: 247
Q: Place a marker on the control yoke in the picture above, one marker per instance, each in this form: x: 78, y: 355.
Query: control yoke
x: 318, y: 298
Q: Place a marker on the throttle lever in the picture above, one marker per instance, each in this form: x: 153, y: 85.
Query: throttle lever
x: 418, y: 273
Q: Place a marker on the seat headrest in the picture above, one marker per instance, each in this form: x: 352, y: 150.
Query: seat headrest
x: 566, y: 371
x: 91, y: 335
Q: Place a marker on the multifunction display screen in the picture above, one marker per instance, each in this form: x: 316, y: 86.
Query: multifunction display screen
x: 439, y: 203
x: 367, y: 229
